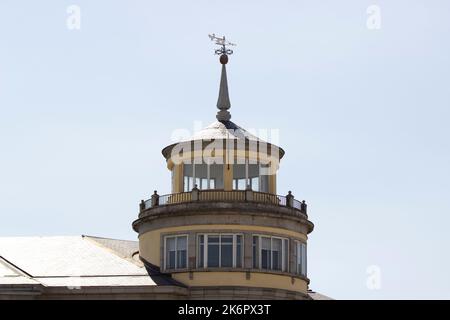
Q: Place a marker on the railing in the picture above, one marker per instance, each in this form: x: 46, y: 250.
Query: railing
x: 220, y: 195
x: 175, y: 198
x: 226, y: 196
x: 269, y: 198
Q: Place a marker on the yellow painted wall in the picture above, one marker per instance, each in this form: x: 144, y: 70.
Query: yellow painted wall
x: 149, y: 247
x: 259, y: 280
x: 149, y: 242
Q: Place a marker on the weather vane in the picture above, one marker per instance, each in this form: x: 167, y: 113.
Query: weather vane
x: 223, y: 51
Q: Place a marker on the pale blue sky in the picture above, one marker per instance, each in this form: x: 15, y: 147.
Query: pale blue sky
x: 363, y: 116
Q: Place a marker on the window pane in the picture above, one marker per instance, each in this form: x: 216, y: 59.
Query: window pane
x: 253, y: 174
x: 170, y: 253
x: 226, y: 251
x: 201, y: 251
x: 213, y: 251
x: 181, y: 252
x: 276, y: 254
x: 239, y: 182
x: 238, y: 251
x: 171, y: 260
x: 303, y: 259
x: 186, y: 184
x: 187, y: 174
x: 255, y: 252
x: 255, y: 184
x: 264, y: 182
x: 286, y: 254
x: 216, y: 176
x: 265, y: 253
x: 182, y: 243
x: 181, y: 259
x: 264, y: 187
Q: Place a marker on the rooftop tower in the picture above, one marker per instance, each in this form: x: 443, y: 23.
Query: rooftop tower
x: 223, y: 231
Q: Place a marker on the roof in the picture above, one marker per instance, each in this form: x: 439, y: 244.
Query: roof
x: 31, y: 265
x: 318, y: 296
x: 220, y: 130
x: 73, y: 261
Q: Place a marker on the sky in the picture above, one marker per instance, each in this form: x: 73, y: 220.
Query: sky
x: 363, y: 114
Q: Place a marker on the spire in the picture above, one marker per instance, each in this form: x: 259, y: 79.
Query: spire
x: 223, y: 102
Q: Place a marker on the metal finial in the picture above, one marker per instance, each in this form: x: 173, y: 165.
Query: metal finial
x: 223, y: 102
x: 223, y: 51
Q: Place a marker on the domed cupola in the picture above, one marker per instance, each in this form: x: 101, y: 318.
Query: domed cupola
x: 223, y: 224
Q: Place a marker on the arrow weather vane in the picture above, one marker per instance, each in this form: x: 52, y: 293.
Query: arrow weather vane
x: 223, y: 43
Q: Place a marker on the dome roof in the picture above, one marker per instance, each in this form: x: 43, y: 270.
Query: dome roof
x: 223, y: 130
x: 220, y: 130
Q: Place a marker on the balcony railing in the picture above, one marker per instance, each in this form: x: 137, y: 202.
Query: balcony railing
x: 197, y: 195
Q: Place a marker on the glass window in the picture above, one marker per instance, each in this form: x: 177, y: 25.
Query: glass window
x: 263, y: 178
x: 185, y: 183
x: 301, y: 258
x: 170, y: 253
x: 265, y: 253
x: 213, y: 251
x: 272, y: 253
x: 239, y: 184
x: 239, y: 176
x: 181, y: 252
x: 216, y: 176
x: 226, y: 251
x: 239, y: 255
x: 255, y: 247
x: 276, y: 254
x: 220, y: 250
x: 176, y: 252
x: 201, y: 249
x: 254, y: 183
x: 206, y: 176
x: 251, y: 175
x: 286, y: 256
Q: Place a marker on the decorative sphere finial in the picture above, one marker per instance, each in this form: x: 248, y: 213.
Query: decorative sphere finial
x: 223, y: 59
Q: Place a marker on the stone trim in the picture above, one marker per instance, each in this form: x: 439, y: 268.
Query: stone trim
x: 213, y: 213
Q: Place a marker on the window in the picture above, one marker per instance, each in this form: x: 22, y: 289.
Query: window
x: 239, y: 184
x: 301, y: 258
x: 205, y: 176
x: 220, y: 251
x: 255, y: 249
x: 270, y: 253
x: 249, y: 174
x: 175, y: 248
